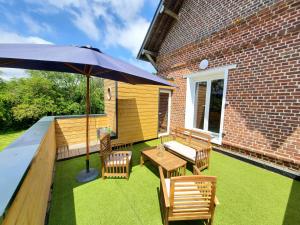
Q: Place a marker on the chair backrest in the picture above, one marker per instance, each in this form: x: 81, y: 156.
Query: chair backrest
x: 182, y: 134
x: 123, y: 146
x: 192, y: 197
x: 105, y: 145
x: 192, y: 137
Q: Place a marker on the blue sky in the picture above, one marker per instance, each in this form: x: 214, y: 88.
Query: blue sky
x: 116, y: 27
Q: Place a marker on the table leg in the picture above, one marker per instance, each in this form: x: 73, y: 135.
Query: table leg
x: 168, y: 174
x: 142, y: 160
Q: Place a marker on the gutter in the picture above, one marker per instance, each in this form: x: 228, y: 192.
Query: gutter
x: 157, y: 12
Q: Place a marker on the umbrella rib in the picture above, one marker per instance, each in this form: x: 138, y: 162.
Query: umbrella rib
x: 127, y: 78
x: 75, y: 68
x: 90, y: 69
x: 100, y: 72
x: 9, y: 62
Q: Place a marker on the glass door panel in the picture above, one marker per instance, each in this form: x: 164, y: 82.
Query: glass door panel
x: 215, y: 105
x: 163, y: 112
x: 200, y: 104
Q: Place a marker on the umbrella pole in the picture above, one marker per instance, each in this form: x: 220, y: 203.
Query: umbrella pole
x: 88, y: 174
x: 87, y: 161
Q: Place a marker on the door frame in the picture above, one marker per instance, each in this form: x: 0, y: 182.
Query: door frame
x: 207, y: 75
x: 169, y: 111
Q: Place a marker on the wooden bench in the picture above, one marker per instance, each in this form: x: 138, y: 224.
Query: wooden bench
x: 193, y: 146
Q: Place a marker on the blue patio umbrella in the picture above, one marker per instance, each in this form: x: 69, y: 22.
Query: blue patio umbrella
x: 83, y: 60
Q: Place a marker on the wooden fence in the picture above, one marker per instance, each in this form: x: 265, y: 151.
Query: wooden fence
x: 29, y: 206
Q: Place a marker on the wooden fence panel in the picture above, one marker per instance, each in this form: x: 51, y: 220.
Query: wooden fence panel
x: 30, y: 204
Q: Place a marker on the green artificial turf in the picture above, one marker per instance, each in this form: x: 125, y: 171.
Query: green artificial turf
x: 7, y: 137
x: 248, y: 195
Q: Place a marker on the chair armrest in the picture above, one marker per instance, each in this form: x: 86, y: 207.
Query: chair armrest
x: 196, y: 171
x: 121, y: 152
x: 216, y: 201
x: 163, y: 186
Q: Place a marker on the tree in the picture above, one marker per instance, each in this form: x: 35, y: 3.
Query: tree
x: 23, y: 101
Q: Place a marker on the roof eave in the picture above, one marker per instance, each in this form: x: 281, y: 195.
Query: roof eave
x: 157, y: 12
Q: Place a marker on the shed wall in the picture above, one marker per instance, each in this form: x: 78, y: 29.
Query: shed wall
x: 137, y: 112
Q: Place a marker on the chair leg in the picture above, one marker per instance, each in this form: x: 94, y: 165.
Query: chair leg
x: 166, y: 221
x: 163, y: 209
x: 210, y: 221
x: 103, y: 172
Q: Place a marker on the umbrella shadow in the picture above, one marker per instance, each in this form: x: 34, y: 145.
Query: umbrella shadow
x: 62, y: 208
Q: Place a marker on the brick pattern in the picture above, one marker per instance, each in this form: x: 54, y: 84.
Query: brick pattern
x: 201, y: 18
x: 263, y: 91
x: 262, y: 156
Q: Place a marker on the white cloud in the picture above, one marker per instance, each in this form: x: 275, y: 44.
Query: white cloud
x: 10, y: 37
x: 121, y: 21
x: 34, y: 26
x: 85, y: 21
x: 126, y: 10
x: 130, y: 36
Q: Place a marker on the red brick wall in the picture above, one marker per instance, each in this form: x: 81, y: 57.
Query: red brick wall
x: 263, y: 92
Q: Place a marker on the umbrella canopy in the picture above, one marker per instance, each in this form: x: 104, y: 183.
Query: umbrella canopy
x: 72, y: 59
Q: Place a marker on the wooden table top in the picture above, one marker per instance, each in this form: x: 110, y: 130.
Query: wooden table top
x: 166, y: 160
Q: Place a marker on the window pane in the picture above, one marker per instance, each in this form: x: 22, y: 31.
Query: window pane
x: 163, y: 112
x: 200, y: 104
x: 215, y: 106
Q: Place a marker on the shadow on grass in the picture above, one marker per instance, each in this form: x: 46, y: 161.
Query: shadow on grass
x: 62, y: 209
x: 292, y: 212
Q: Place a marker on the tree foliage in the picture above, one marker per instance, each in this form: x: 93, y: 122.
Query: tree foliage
x: 23, y: 101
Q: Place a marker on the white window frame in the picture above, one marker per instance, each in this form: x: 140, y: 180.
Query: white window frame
x: 190, y: 109
x: 169, y: 111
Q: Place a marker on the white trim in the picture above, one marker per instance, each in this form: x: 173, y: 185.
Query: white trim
x: 190, y: 95
x: 208, y: 76
x: 169, y: 111
x: 207, y: 103
x: 211, y: 71
x: 223, y: 106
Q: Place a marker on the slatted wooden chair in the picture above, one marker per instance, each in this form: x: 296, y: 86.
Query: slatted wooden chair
x: 114, y: 163
x: 188, y: 197
x: 193, y: 146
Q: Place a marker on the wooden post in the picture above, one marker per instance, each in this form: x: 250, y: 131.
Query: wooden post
x: 87, y: 123
x: 151, y: 60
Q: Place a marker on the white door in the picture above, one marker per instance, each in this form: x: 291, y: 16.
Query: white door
x: 205, y: 101
x: 208, y: 105
x: 164, y: 110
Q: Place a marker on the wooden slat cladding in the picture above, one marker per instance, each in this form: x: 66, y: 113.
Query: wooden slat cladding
x: 110, y: 103
x: 137, y: 112
x: 137, y: 109
x: 30, y: 204
x: 70, y: 131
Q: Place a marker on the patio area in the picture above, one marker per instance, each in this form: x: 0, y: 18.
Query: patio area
x: 248, y: 195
